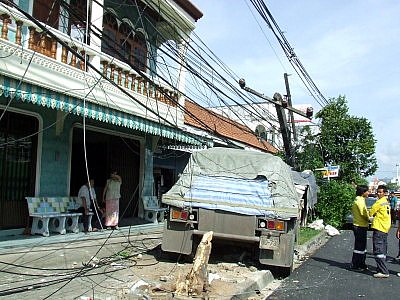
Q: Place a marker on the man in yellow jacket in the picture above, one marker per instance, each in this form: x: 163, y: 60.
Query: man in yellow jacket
x: 360, y: 228
x: 380, y: 211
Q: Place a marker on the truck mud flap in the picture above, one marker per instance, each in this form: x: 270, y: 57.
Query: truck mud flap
x: 280, y: 254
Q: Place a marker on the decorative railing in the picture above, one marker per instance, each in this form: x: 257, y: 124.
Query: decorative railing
x: 111, y: 68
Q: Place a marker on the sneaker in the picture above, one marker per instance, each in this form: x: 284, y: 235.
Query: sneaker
x: 381, y: 275
x: 352, y: 268
x: 397, y: 257
x: 398, y: 274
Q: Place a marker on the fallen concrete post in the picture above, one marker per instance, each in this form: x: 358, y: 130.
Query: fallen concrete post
x: 196, y: 281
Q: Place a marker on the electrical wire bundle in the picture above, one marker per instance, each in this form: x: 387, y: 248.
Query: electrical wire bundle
x: 211, y: 84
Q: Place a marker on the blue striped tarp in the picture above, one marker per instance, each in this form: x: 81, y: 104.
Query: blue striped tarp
x: 246, y: 196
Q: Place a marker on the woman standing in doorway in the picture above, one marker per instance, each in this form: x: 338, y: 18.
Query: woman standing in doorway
x: 111, y: 195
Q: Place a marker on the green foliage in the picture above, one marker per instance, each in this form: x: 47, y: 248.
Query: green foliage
x: 122, y: 254
x: 334, y: 202
x: 281, y: 155
x: 342, y: 139
x: 359, y: 180
x: 308, y: 154
x: 392, y: 186
x: 306, y: 234
x: 347, y: 141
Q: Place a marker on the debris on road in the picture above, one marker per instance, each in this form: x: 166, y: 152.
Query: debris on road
x: 196, y: 281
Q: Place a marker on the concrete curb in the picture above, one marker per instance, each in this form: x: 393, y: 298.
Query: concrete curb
x: 311, y: 245
x: 261, y: 279
x: 253, y: 284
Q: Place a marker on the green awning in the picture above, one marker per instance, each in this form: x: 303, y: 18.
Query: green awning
x: 34, y: 94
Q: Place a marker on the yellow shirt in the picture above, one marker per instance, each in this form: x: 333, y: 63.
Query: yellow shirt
x: 360, y: 212
x: 381, y: 213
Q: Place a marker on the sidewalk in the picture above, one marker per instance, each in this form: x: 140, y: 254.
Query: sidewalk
x: 112, y: 265
x: 11, y: 239
x: 35, y: 267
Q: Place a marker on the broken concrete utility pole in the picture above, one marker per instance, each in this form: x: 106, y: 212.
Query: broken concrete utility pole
x: 280, y: 105
x: 196, y: 281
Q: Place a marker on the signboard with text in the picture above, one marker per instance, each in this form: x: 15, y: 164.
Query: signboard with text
x: 331, y: 171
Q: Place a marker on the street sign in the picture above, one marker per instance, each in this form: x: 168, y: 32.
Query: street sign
x: 331, y: 171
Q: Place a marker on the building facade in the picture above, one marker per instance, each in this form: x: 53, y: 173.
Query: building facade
x: 80, y: 96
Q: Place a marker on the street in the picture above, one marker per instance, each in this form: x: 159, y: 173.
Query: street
x: 325, y: 274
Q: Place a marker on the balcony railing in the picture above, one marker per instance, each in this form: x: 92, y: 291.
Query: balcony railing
x: 113, y: 69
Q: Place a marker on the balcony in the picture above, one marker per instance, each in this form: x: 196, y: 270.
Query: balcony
x: 35, y: 57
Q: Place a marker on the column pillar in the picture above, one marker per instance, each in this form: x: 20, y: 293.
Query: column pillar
x: 96, y: 19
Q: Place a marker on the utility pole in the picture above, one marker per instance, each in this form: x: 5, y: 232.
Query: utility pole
x: 287, y: 144
x: 289, y: 100
x: 280, y: 105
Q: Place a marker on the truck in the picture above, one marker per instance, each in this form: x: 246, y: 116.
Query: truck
x: 243, y: 196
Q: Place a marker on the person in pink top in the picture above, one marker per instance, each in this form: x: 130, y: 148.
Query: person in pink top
x: 111, y: 195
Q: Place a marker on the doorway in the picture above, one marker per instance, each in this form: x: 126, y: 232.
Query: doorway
x: 18, y: 150
x: 106, y: 152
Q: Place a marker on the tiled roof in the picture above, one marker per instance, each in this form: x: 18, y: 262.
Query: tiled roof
x: 205, y: 119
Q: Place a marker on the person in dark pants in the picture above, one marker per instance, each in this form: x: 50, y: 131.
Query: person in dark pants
x: 86, y: 195
x: 98, y: 217
x: 393, y: 207
x: 398, y: 237
x: 360, y: 228
x: 380, y: 211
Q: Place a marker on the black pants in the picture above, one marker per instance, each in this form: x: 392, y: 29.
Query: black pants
x: 393, y: 215
x: 360, y: 247
x: 85, y: 218
x: 379, y: 240
x: 398, y: 254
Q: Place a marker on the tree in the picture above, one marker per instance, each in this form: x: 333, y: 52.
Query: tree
x: 392, y: 186
x: 308, y: 153
x: 348, y: 141
x: 343, y: 140
x: 334, y: 202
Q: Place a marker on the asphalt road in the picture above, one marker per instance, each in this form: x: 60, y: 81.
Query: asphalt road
x: 325, y: 275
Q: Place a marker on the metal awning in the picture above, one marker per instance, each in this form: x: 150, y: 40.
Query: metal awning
x: 37, y: 95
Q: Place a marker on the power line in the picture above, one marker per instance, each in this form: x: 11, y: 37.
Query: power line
x: 264, y: 12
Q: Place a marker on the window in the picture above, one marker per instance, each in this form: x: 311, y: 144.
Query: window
x: 77, y: 20
x: 47, y: 12
x: 123, y: 43
x: 110, y: 31
x: 261, y: 132
x: 140, y: 51
x: 126, y: 42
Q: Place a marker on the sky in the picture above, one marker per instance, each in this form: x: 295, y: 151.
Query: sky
x: 348, y: 47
